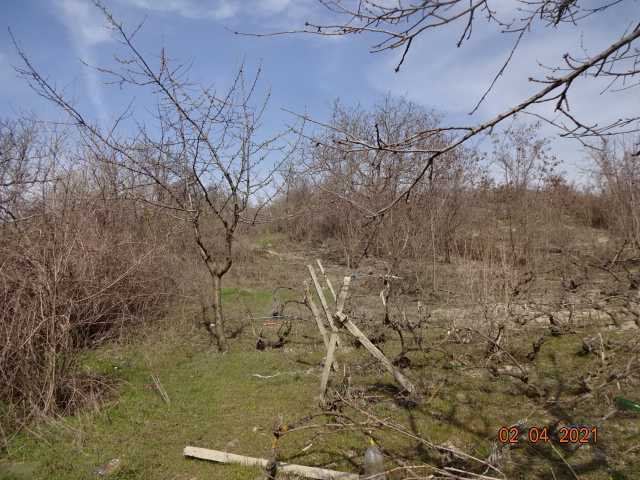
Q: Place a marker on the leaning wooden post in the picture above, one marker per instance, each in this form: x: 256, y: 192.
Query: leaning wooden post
x: 333, y: 341
x: 328, y: 361
x: 373, y: 350
x: 320, y: 323
x: 316, y: 315
x: 327, y: 279
x: 344, y: 293
x: 323, y: 299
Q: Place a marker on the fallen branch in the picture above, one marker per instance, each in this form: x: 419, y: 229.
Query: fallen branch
x: 304, y: 471
x: 277, y: 374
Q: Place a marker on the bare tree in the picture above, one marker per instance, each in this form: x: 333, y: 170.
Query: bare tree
x: 618, y: 172
x: 397, y: 24
x: 203, y: 160
x: 351, y: 184
x: 360, y: 181
x: 525, y: 162
x: 23, y: 165
x: 522, y: 156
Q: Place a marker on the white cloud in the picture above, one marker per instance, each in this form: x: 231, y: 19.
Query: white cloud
x: 224, y: 9
x: 438, y: 75
x: 275, y: 6
x: 88, y: 30
x: 185, y: 8
x: 84, y: 22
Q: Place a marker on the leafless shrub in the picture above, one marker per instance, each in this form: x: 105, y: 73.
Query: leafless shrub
x: 398, y: 24
x: 78, y: 268
x: 204, y: 162
x: 23, y: 164
x: 618, y: 175
x: 338, y: 183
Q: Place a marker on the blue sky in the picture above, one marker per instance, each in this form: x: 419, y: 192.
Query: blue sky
x: 304, y: 73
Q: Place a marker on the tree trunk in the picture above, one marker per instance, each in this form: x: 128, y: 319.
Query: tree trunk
x: 218, y: 316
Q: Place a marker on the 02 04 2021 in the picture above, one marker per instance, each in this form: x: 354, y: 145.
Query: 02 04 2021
x: 571, y: 434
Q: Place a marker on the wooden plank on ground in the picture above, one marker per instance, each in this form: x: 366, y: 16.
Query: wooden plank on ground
x: 308, y: 472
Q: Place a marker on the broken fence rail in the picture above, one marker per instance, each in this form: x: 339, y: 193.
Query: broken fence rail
x: 302, y: 470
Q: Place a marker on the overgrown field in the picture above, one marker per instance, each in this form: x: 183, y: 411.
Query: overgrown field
x: 469, y: 383
x: 162, y: 256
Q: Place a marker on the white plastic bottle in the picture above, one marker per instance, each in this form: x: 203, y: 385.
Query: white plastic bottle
x: 374, y: 463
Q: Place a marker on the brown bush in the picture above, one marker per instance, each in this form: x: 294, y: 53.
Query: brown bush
x: 75, y: 272
x: 618, y: 176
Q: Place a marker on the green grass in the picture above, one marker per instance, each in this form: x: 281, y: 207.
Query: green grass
x: 216, y: 402
x: 239, y: 300
x: 255, y: 299
x: 270, y: 240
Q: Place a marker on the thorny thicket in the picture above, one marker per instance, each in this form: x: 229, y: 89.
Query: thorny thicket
x: 534, y: 266
x: 564, y: 360
x: 203, y: 158
x: 507, y: 251
x: 79, y: 262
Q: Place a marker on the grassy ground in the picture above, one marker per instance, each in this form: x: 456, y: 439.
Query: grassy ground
x: 215, y: 402
x: 218, y: 402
